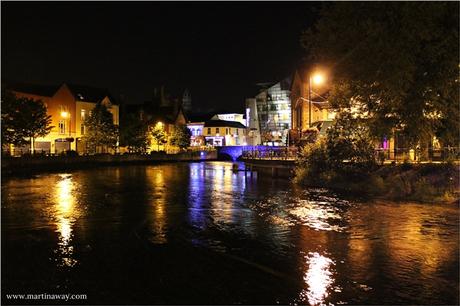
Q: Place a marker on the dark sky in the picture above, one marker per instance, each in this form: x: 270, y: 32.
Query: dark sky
x: 218, y: 50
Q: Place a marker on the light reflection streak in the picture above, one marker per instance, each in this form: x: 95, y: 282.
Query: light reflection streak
x: 197, y: 194
x: 158, y: 224
x: 222, y: 195
x: 318, y: 215
x: 65, y: 215
x: 318, y: 277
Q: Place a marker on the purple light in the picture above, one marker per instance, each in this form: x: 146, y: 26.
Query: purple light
x: 385, y: 143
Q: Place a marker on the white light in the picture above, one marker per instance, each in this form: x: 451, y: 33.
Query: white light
x: 318, y: 79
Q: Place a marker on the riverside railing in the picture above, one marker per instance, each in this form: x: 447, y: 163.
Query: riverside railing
x: 271, y: 153
x: 382, y: 155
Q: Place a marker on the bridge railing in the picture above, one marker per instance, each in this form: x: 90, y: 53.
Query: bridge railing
x: 272, y: 153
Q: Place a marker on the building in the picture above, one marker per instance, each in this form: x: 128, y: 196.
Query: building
x: 230, y: 117
x: 68, y: 105
x: 306, y: 115
x: 224, y: 133
x: 269, y: 114
x: 163, y: 111
x: 252, y: 123
x: 187, y: 101
x: 196, y: 125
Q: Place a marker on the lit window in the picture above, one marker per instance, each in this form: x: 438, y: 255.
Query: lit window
x: 61, y: 127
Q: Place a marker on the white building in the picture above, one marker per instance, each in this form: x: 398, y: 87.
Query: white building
x: 196, y: 129
x: 230, y: 117
x: 269, y: 114
x: 252, y: 123
x: 224, y: 133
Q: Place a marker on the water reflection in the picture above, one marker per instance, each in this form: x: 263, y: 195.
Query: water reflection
x: 65, y: 216
x: 158, y: 213
x: 216, y: 192
x: 197, y: 195
x: 332, y: 251
x: 318, y: 278
x: 222, y: 195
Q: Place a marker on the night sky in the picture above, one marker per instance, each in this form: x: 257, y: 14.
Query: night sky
x: 218, y: 50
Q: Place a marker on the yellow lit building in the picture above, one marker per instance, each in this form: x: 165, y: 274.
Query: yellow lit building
x: 219, y: 133
x: 321, y: 113
x: 68, y: 105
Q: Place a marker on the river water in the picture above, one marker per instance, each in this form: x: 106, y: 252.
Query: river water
x: 198, y: 233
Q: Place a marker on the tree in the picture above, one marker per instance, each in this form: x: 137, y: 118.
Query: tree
x: 395, y: 62
x: 101, y: 131
x: 39, y: 122
x: 133, y: 134
x: 158, y: 134
x: 23, y: 118
x: 181, y: 136
x: 349, y: 143
x: 12, y: 119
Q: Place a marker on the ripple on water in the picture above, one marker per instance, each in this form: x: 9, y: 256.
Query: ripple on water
x: 314, y: 209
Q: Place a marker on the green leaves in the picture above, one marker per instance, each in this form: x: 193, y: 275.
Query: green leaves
x: 100, y: 129
x: 23, y: 118
x: 181, y: 136
x: 158, y: 134
x: 398, y: 59
x: 133, y: 134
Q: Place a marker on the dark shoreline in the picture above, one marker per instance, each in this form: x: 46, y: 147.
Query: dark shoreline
x: 422, y: 183
x: 42, y: 164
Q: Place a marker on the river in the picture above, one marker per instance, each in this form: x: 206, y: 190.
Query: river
x: 198, y: 233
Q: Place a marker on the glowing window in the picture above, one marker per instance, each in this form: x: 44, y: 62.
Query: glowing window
x: 61, y: 127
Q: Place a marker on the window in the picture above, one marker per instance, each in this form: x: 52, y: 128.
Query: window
x: 209, y: 131
x: 226, y: 131
x: 61, y: 127
x: 83, y: 115
x: 237, y: 131
x: 217, y: 130
x: 82, y: 130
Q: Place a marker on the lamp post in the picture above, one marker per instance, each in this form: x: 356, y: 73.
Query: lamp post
x: 65, y: 115
x: 318, y: 79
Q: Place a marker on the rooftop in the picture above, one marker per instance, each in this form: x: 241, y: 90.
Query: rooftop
x: 223, y: 123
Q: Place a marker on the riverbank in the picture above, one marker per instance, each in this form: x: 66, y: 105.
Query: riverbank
x: 33, y: 164
x: 429, y: 183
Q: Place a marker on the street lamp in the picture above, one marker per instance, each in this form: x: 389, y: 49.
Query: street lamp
x: 65, y: 115
x: 317, y: 79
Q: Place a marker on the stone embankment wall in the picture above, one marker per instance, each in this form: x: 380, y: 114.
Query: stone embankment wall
x: 47, y: 163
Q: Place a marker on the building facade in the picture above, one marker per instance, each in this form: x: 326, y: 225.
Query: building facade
x: 321, y: 115
x: 230, y: 117
x: 219, y: 133
x: 163, y: 112
x: 196, y: 129
x: 68, y: 105
x: 269, y: 114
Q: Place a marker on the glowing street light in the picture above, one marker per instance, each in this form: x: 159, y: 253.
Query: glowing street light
x: 318, y: 79
x: 65, y: 115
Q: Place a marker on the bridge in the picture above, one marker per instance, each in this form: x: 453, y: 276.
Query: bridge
x: 256, y: 152
x: 265, y: 160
